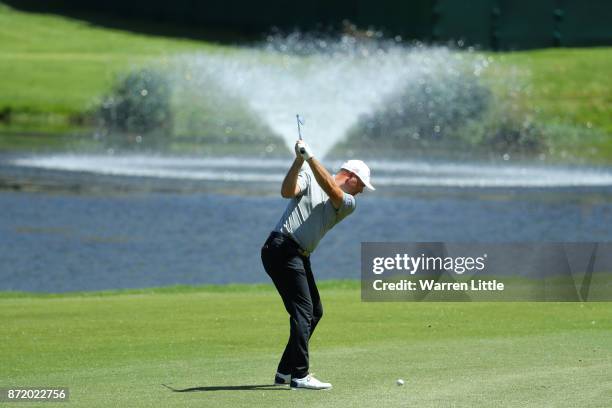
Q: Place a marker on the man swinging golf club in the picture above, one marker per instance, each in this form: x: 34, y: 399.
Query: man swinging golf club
x: 318, y: 201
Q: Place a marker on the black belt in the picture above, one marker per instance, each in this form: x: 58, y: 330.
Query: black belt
x: 288, y: 238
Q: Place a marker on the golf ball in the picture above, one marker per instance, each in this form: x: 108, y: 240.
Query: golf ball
x: 400, y: 381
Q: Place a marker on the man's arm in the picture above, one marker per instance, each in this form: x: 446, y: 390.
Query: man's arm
x: 327, y: 182
x: 290, y: 189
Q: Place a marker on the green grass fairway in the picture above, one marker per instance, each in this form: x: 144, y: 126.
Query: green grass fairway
x: 55, y: 68
x: 569, y: 85
x: 54, y: 64
x: 117, y: 349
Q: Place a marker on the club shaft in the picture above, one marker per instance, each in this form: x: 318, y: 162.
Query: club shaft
x: 297, y: 117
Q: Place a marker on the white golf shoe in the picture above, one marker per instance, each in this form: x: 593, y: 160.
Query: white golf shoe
x: 282, y: 379
x: 310, y: 383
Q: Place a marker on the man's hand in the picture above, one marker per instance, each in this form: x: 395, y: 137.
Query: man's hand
x: 303, y: 150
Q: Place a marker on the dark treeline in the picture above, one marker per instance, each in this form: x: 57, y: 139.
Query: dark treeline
x: 491, y: 24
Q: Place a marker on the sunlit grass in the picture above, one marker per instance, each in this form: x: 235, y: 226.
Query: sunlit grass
x: 118, y: 348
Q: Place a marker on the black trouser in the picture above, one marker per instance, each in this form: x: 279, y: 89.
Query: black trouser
x: 294, y: 281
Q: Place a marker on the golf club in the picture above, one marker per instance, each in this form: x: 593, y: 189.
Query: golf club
x: 300, y: 122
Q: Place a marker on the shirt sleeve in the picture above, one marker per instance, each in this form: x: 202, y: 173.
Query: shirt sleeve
x: 347, y: 207
x: 303, y: 181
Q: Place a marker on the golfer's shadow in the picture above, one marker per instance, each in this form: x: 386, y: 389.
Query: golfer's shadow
x: 270, y: 387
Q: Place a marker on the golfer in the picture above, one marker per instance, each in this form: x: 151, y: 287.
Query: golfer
x: 318, y: 202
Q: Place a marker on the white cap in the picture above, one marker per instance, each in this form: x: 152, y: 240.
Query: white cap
x: 361, y: 170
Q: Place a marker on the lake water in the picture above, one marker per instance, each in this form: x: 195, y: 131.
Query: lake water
x: 90, y: 223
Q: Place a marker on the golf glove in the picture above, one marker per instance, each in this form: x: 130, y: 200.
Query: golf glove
x: 304, y: 150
